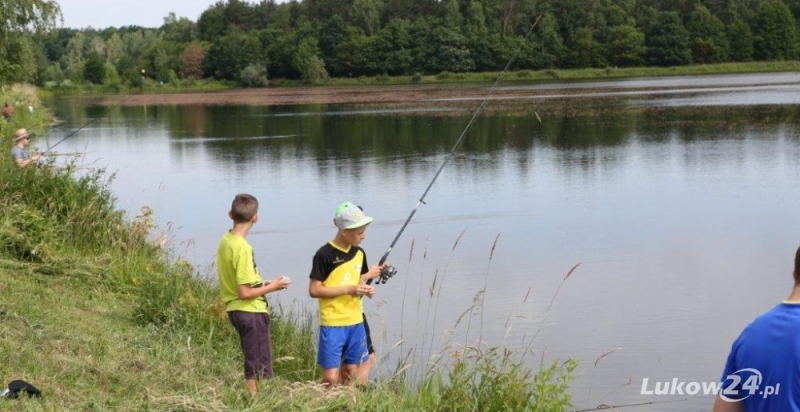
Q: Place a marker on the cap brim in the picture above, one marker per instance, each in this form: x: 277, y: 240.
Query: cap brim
x: 363, y: 222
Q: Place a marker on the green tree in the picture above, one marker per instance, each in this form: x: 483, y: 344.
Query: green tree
x: 94, y: 70
x: 479, y: 42
x: 452, y: 13
x: 134, y: 44
x: 450, y: 51
x: 97, y: 45
x: 111, y: 75
x: 73, y: 60
x: 774, y: 32
x: 178, y: 30
x: 53, y: 74
x: 308, y: 63
x: 545, y: 48
x: 115, y: 48
x: 28, y: 57
x: 366, y: 14
x: 357, y: 55
x: 580, y: 24
x: 55, y: 43
x: 626, y: 46
x: 223, y: 17
x: 321, y: 10
x: 254, y: 75
x: 230, y: 54
x: 393, y: 48
x: 709, y: 42
x: 740, y: 39
x: 331, y: 35
x: 668, y: 43
x: 583, y: 50
x: 21, y: 18
x: 280, y: 47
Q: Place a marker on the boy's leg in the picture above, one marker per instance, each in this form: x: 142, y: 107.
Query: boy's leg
x: 356, y: 353
x: 252, y: 335
x: 264, y: 347
x: 332, y: 340
x: 362, y: 374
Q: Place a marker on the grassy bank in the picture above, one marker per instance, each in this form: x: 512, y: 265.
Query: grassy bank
x: 205, y: 85
x: 100, y: 317
x: 551, y: 74
x: 147, y: 86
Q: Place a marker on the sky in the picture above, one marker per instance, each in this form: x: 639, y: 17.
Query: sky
x: 100, y: 14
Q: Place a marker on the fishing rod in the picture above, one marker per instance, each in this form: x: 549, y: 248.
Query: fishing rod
x: 389, y: 271
x: 79, y: 129
x: 67, y: 137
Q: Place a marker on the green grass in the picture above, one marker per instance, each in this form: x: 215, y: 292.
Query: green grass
x: 99, y: 315
x: 205, y: 85
x: 554, y: 74
x: 150, y: 86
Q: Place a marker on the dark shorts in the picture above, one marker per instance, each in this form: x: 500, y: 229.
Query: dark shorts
x: 370, y: 348
x: 254, y: 333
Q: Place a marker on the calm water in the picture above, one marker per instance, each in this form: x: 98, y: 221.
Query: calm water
x: 682, y: 213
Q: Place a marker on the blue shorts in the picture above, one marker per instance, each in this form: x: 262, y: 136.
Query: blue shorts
x: 342, y: 344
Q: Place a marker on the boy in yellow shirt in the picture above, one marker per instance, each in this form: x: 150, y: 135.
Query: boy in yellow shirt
x: 243, y: 291
x: 336, y: 282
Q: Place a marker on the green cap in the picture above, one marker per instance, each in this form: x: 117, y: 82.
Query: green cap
x: 350, y: 216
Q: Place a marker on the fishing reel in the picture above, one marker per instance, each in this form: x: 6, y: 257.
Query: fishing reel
x: 387, y: 272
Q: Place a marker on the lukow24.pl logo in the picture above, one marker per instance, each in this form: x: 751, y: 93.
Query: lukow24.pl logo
x: 737, y: 386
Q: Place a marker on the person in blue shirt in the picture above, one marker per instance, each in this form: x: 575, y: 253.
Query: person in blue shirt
x: 18, y: 152
x: 763, y: 368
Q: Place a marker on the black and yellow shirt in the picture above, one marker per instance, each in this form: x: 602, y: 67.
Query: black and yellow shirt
x: 336, y: 267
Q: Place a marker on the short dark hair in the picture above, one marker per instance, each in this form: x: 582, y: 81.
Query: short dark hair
x: 797, y: 264
x: 243, y: 208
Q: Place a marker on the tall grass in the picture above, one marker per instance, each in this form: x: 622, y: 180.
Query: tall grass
x: 101, y: 317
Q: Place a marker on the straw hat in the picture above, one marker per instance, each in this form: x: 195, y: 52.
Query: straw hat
x: 21, y: 134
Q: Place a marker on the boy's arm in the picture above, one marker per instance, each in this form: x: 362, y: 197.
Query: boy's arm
x: 317, y: 290
x: 370, y: 272
x: 246, y: 291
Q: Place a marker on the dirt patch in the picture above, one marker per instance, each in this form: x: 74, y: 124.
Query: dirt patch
x: 435, y: 100
x: 292, y: 96
x: 447, y: 99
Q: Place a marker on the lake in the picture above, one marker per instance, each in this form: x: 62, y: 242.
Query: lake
x: 676, y: 198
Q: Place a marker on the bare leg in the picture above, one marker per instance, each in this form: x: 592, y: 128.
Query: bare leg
x: 362, y: 374
x: 331, y: 377
x: 348, y: 373
x: 252, y: 387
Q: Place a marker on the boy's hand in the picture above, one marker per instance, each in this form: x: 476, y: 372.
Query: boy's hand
x: 374, y: 272
x: 281, y: 282
x: 363, y: 289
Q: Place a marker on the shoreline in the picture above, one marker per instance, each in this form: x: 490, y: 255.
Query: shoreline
x: 409, y: 89
x: 595, y: 96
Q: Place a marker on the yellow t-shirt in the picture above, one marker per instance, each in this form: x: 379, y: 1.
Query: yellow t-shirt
x: 339, y: 267
x: 236, y: 266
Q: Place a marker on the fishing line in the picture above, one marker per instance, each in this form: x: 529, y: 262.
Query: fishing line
x: 390, y: 271
x: 67, y: 137
x: 79, y: 129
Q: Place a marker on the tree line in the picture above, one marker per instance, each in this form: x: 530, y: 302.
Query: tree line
x: 316, y: 39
